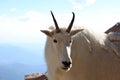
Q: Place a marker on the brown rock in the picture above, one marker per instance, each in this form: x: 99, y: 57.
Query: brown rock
x: 115, y: 28
x: 36, y: 76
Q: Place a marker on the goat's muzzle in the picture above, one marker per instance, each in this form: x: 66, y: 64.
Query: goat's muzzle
x: 66, y: 65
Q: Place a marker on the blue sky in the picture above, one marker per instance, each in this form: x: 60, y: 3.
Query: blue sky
x: 21, y: 20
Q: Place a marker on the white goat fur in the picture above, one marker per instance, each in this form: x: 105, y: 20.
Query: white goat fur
x: 93, y: 57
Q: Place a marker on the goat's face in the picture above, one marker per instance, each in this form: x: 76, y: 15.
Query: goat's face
x: 61, y: 40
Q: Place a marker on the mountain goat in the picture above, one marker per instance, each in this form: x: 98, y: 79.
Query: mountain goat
x: 80, y: 54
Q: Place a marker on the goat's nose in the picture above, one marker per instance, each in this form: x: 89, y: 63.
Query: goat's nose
x: 66, y: 64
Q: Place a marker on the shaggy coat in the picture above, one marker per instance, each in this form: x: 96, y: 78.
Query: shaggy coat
x: 93, y: 57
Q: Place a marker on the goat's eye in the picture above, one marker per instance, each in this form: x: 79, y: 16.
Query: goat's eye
x: 70, y: 41
x: 55, y: 41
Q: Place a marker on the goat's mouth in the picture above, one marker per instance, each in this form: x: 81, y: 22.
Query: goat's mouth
x: 66, y: 68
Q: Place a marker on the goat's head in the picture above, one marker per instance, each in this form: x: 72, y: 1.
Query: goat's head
x: 61, y: 40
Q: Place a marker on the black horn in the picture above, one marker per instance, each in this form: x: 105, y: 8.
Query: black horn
x: 71, y: 23
x: 55, y: 22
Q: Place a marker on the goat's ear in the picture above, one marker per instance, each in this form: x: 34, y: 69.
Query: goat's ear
x: 48, y: 33
x: 73, y: 32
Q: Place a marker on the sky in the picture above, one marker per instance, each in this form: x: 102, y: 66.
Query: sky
x: 22, y: 20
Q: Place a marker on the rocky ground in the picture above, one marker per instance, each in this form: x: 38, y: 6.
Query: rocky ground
x: 36, y: 76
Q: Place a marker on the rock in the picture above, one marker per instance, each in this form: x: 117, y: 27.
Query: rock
x: 36, y: 76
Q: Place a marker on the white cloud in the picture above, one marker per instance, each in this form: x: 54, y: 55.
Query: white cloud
x: 22, y: 30
x: 80, y: 4
x: 99, y: 23
x: 13, y: 9
x: 76, y: 5
x: 34, y: 18
x: 90, y: 2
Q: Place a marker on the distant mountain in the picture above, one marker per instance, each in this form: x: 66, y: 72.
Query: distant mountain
x: 19, y: 60
x: 27, y: 54
x: 17, y: 71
